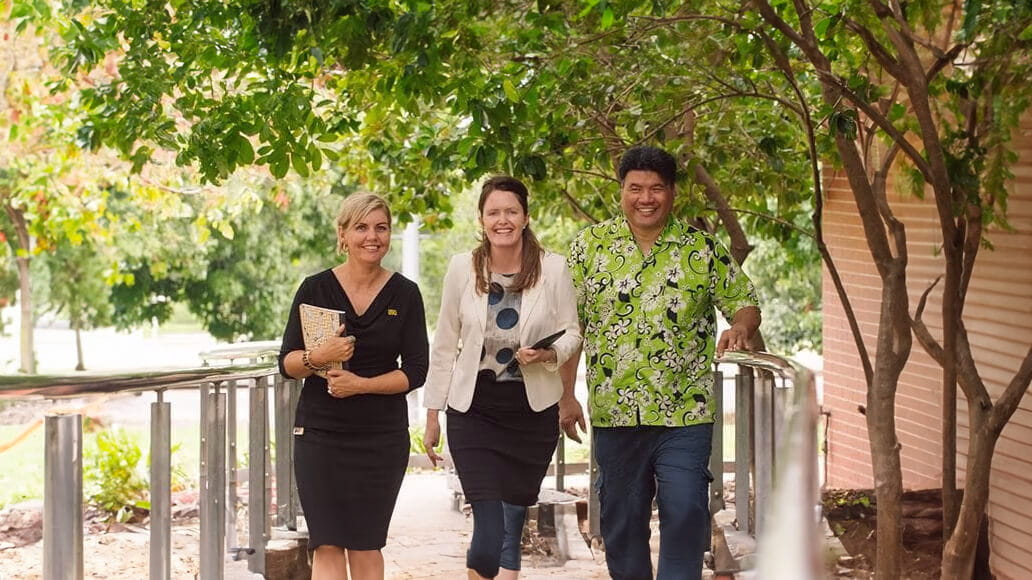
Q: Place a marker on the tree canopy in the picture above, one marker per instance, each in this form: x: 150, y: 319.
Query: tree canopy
x: 417, y: 99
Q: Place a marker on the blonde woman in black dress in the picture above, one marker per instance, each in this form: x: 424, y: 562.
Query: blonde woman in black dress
x: 351, y: 442
x: 503, y: 399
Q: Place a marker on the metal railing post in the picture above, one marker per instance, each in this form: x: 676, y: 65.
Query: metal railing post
x: 258, y: 450
x: 764, y: 474
x: 717, y: 452
x: 213, y: 482
x: 743, y: 450
x: 284, y: 434
x: 161, y: 489
x: 560, y: 463
x: 62, y: 498
x: 295, y: 500
x: 231, y: 465
x: 594, y: 507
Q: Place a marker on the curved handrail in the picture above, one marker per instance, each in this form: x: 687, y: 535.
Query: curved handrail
x: 242, y: 350
x: 63, y: 386
x: 789, y: 546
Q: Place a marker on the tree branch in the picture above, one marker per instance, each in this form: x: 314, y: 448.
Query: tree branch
x: 943, y: 60
x: 870, y: 216
x: 966, y: 370
x: 917, y: 91
x: 772, y: 18
x: 1008, y: 402
x: 598, y: 174
x: 769, y: 217
x: 879, y: 188
x: 783, y: 63
x: 577, y: 207
x: 732, y: 95
x: 971, y: 229
x: 740, y: 246
x: 885, y: 125
x: 877, y: 49
x: 924, y: 336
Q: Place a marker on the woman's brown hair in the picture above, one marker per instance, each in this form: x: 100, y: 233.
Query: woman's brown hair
x: 530, y: 261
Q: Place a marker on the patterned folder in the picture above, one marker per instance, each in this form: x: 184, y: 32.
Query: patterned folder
x: 318, y: 324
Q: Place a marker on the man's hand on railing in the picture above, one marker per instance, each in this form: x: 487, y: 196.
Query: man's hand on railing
x: 743, y: 326
x: 570, y: 416
x: 732, y: 339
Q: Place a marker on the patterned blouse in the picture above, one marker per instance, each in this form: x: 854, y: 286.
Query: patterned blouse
x: 502, y: 335
x: 649, y: 321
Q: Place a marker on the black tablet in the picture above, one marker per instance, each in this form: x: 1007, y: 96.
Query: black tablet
x: 548, y: 340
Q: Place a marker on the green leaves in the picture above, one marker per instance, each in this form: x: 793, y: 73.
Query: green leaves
x: 113, y: 478
x: 844, y: 123
x: 510, y: 91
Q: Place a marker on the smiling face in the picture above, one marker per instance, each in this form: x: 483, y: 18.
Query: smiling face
x: 503, y: 219
x: 647, y: 201
x: 369, y: 238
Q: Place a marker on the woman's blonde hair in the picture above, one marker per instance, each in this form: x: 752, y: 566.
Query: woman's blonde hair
x: 355, y: 208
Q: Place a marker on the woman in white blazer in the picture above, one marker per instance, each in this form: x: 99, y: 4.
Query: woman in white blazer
x: 501, y: 395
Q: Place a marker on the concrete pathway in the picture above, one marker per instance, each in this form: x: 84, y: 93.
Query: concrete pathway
x: 428, y: 539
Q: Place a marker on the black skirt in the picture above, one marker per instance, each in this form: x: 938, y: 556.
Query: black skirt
x: 502, y: 448
x: 348, y: 484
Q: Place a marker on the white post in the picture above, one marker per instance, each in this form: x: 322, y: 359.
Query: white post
x: 410, y: 269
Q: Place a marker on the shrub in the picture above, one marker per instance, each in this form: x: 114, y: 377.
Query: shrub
x: 112, y: 478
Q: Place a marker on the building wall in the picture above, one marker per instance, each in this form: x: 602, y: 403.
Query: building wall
x: 998, y: 316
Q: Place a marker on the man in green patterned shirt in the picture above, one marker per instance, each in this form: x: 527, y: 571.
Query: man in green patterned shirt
x: 648, y: 286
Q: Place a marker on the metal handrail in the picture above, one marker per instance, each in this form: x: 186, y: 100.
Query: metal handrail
x: 785, y: 478
x: 242, y: 350
x: 776, y: 475
x: 63, y: 549
x: 78, y: 385
x: 790, y: 545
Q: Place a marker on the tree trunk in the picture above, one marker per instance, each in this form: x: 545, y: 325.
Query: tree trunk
x: 28, y: 357
x: 958, y: 555
x: 893, y: 350
x: 885, y: 460
x: 952, y: 306
x: 21, y: 230
x: 80, y: 366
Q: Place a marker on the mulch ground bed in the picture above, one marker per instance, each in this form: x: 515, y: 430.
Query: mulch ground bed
x: 853, y: 517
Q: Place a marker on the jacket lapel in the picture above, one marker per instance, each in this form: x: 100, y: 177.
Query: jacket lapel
x: 478, y: 302
x: 528, y: 302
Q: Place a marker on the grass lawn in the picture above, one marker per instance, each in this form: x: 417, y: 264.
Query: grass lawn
x: 22, y: 469
x: 21, y: 466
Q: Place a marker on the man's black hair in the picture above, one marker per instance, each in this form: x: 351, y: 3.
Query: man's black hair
x: 648, y: 158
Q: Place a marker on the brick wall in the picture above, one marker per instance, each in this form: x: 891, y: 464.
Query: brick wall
x: 999, y: 320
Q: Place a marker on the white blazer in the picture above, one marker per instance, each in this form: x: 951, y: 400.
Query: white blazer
x: 545, y: 309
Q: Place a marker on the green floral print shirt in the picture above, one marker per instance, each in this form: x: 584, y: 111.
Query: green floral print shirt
x: 650, y: 322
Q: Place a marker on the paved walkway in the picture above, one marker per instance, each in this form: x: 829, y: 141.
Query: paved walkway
x: 428, y: 539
